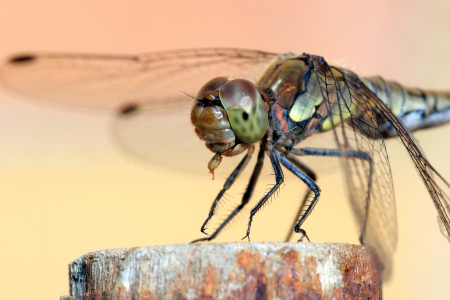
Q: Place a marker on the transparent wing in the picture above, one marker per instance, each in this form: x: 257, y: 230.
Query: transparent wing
x: 148, y: 91
x: 440, y: 200
x: 368, y: 176
x: 110, y: 81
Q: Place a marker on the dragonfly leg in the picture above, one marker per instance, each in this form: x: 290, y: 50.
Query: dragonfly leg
x: 247, y: 195
x: 299, y: 164
x: 338, y: 153
x: 228, y: 183
x: 313, y: 188
x: 331, y: 152
x: 274, y: 156
x: 310, y: 173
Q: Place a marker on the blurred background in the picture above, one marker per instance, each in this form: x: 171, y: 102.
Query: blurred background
x: 65, y: 190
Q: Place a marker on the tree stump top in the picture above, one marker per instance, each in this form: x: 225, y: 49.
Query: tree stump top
x: 228, y: 271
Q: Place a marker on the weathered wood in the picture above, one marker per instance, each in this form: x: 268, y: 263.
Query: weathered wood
x: 228, y: 271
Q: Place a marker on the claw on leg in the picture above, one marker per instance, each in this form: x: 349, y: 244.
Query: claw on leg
x: 304, y: 235
x: 200, y: 240
x: 246, y: 236
x: 248, y: 230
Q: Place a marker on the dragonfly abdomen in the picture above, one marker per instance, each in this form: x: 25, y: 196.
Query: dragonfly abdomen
x: 414, y: 107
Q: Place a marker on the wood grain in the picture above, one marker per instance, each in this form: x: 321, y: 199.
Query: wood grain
x: 228, y: 271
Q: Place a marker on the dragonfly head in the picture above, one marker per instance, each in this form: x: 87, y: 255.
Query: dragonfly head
x: 229, y: 115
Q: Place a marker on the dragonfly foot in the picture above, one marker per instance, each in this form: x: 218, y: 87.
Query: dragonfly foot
x: 361, y: 240
x: 200, y: 240
x: 246, y: 236
x: 304, y: 235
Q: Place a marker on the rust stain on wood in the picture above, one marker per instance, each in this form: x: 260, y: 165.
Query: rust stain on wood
x: 238, y: 272
x: 207, y: 288
x: 367, y: 284
x: 295, y: 281
x: 252, y: 275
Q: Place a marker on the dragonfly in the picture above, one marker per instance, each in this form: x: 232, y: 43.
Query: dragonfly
x: 235, y: 100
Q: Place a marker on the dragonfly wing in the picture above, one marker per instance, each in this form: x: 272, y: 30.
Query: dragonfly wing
x: 165, y: 139
x: 368, y: 177
x: 148, y: 92
x: 425, y: 169
x: 110, y: 81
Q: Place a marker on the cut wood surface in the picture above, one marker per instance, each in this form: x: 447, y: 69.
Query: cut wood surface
x: 228, y: 271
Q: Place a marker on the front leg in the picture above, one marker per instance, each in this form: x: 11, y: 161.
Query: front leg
x: 228, y: 183
x: 247, y: 195
x: 279, y: 179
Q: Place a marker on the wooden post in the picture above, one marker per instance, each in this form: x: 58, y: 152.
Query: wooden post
x: 228, y: 271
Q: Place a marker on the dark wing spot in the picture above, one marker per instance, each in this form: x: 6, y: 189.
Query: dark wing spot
x: 128, y: 109
x: 245, y: 116
x: 22, y: 58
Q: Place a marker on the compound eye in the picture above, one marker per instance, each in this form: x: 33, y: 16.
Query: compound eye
x: 247, y: 112
x: 211, y: 86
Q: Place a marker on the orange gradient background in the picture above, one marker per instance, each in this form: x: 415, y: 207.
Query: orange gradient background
x: 65, y: 190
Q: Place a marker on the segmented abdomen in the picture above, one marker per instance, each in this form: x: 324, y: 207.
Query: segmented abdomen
x: 415, y: 108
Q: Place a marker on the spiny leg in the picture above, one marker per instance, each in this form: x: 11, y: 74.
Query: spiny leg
x: 308, y: 195
x: 247, y: 195
x: 299, y: 164
x: 331, y: 152
x: 279, y: 178
x: 310, y: 173
x: 228, y: 183
x: 311, y: 185
x: 339, y: 153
